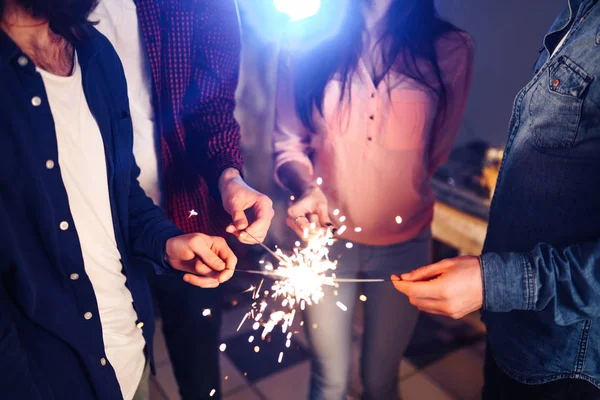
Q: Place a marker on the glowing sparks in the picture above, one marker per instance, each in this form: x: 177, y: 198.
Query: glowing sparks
x: 336, y: 212
x: 193, y: 213
x: 223, y: 347
x: 292, y: 198
x: 300, y: 279
x: 280, y: 357
x: 206, y: 312
x: 358, y: 230
x: 342, y: 306
x: 342, y: 230
x: 349, y: 245
x: 319, y: 181
x: 212, y: 392
x: 398, y: 220
x: 342, y: 218
x: 362, y: 297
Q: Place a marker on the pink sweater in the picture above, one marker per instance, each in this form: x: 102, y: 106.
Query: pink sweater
x: 376, y: 153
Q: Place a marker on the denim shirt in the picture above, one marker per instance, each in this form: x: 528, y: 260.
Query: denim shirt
x: 51, y: 343
x: 541, y: 261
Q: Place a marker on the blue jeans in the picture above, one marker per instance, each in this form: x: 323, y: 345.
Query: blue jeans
x: 388, y: 323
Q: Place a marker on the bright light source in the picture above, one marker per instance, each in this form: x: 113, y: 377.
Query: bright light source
x: 298, y: 9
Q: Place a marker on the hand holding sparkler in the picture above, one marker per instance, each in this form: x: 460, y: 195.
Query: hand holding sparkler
x: 239, y: 197
x: 310, y: 209
x: 207, y: 260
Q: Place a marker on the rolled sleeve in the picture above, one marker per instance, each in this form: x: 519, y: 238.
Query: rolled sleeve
x: 508, y: 282
x: 291, y: 139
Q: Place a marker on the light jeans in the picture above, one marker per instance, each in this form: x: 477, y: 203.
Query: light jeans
x: 388, y: 323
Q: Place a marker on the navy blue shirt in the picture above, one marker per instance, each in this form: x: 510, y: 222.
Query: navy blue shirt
x: 49, y: 347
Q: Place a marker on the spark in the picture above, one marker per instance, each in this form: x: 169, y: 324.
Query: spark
x: 212, y: 392
x: 357, y: 230
x: 193, y: 213
x: 319, y: 181
x: 349, y: 245
x: 342, y: 306
x: 226, y: 377
x: 336, y: 212
x: 292, y: 198
x: 342, y: 218
x: 342, y: 230
x: 398, y: 220
x: 300, y: 280
x: 362, y: 297
x: 206, y: 312
x: 223, y: 347
x: 280, y: 357
x: 256, y: 349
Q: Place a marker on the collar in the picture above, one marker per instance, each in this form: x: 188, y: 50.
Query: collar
x: 86, y: 49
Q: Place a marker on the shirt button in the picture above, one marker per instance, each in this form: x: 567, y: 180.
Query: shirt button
x: 74, y: 277
x: 371, y: 117
x: 103, y: 361
x: 49, y: 164
x: 87, y: 315
x: 556, y: 83
x: 140, y: 325
x: 36, y: 101
x: 64, y: 226
x: 22, y: 61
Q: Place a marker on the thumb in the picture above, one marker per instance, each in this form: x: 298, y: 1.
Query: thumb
x: 240, y: 221
x: 425, y: 273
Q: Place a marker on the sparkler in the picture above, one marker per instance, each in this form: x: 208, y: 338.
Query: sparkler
x: 300, y: 279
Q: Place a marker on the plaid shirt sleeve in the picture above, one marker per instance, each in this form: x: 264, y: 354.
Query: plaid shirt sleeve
x: 213, y: 134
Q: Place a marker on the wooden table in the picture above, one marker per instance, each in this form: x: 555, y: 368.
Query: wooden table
x: 458, y: 229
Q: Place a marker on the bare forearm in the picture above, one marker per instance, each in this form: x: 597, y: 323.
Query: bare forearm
x: 297, y: 177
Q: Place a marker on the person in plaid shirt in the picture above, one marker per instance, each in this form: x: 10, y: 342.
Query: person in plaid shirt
x: 181, y: 61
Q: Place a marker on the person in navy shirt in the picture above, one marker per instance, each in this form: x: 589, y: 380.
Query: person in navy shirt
x: 76, y: 229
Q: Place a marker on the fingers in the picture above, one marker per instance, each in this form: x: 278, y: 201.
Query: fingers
x: 323, y: 214
x: 427, y: 272
x: 430, y: 306
x: 225, y: 253
x: 208, y: 257
x: 433, y: 289
x: 201, y: 281
x: 240, y: 221
x: 264, y: 213
x: 294, y: 226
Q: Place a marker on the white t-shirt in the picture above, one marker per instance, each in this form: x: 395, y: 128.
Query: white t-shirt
x: 82, y: 163
x: 117, y: 20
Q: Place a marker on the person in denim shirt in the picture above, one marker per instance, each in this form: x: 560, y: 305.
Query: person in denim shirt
x: 538, y: 280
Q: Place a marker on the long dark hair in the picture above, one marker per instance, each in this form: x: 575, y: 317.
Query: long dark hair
x: 67, y: 18
x: 409, y: 33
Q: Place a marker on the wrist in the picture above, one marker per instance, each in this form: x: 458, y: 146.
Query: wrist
x: 227, y: 176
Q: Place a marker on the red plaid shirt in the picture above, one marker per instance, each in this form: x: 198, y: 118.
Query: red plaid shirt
x: 194, y: 50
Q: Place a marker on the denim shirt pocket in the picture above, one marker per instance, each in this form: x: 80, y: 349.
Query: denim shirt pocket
x: 556, y: 104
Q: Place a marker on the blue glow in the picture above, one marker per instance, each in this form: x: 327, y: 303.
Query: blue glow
x: 298, y: 10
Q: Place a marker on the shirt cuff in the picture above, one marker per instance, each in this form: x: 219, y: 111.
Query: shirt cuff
x: 302, y: 159
x: 216, y: 166
x: 508, y: 282
x: 161, y: 267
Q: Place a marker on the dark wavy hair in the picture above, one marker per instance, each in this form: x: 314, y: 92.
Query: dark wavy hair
x: 409, y: 33
x: 67, y: 18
